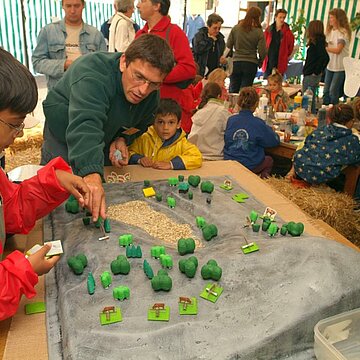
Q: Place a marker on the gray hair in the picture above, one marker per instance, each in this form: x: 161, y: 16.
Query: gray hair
x: 123, y: 5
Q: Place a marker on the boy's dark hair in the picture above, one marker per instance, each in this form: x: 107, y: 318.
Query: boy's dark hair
x: 213, y: 19
x: 152, y: 49
x: 18, y: 89
x: 168, y: 106
x: 211, y: 91
x: 341, y: 114
x: 164, y: 6
x: 248, y: 98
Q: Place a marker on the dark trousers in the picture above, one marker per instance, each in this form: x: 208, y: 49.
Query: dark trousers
x: 264, y: 169
x: 243, y: 74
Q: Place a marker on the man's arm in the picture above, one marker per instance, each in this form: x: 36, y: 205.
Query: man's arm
x: 184, y: 68
x: 41, y: 58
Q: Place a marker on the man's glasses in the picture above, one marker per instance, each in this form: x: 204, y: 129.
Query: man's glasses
x: 17, y: 129
x: 140, y: 80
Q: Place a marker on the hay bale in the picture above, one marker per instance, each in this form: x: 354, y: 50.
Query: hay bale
x: 323, y: 203
x: 22, y: 157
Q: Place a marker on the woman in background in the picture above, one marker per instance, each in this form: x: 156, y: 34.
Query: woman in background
x: 248, y: 40
x: 338, y: 35
x: 316, y: 58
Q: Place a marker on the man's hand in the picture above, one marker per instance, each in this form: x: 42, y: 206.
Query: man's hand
x: 67, y: 63
x: 39, y: 263
x: 146, y: 162
x: 223, y: 60
x: 162, y: 165
x: 76, y: 186
x: 97, y: 196
x: 119, y: 144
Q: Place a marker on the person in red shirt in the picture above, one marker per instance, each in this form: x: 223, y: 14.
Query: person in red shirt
x: 22, y: 204
x: 279, y: 43
x: 155, y: 13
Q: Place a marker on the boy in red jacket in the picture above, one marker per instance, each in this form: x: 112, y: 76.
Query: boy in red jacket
x: 22, y: 204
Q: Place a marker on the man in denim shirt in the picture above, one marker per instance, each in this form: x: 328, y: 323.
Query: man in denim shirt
x: 62, y: 42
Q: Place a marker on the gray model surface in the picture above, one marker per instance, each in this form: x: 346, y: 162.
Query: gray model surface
x: 271, y: 302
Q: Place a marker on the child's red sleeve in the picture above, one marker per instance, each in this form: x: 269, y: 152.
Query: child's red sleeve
x: 17, y: 277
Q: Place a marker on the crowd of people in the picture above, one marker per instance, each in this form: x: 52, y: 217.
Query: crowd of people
x: 156, y: 96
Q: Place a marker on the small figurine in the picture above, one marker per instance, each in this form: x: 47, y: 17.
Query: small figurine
x: 72, y: 205
x: 159, y: 312
x: 211, y: 292
x: 118, y: 155
x: 146, y: 183
x: 188, y: 306
x: 110, y: 315
x: 181, y: 178
x: 227, y: 185
x: 208, y: 200
x: 86, y: 220
x: 190, y: 195
x: 283, y: 230
x: 158, y: 197
x: 200, y: 222
x: 107, y: 226
x: 269, y: 213
x: 272, y: 229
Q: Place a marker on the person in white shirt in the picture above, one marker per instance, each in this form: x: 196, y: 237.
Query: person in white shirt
x: 338, y: 35
x: 209, y: 123
x: 122, y: 31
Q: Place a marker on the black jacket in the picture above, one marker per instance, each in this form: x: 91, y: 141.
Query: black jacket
x: 202, y: 43
x: 316, y: 58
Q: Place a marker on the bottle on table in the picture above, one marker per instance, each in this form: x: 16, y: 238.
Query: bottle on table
x: 263, y: 103
x: 310, y: 95
x: 322, y: 116
x: 297, y: 100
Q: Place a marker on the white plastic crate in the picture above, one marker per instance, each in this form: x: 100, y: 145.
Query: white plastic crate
x: 338, y: 337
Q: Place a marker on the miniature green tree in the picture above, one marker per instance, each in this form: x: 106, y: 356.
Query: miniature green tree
x: 186, y: 246
x: 120, y: 265
x: 166, y: 261
x: 72, y: 205
x: 200, y: 222
x: 173, y: 181
x: 188, y: 266
x: 77, y: 263
x: 181, y: 178
x: 125, y: 240
x: 107, y: 226
x: 272, y: 229
x: 148, y: 270
x: 156, y: 251
x: 283, y: 230
x: 162, y: 281
x: 105, y: 279
x: 91, y: 283
x: 86, y: 220
x: 209, y: 231
x: 207, y: 187
x: 121, y: 293
x: 190, y: 195
x: 171, y: 202
x: 211, y: 271
x: 158, y: 197
x: 295, y: 229
x: 194, y: 180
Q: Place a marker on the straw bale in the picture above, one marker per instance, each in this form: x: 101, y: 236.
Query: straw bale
x: 27, y: 156
x: 324, y: 203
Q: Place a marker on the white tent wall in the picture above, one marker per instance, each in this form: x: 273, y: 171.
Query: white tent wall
x: 38, y: 13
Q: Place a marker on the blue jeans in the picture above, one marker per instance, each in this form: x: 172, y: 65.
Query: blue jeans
x: 334, y: 86
x: 243, y: 74
x: 312, y: 82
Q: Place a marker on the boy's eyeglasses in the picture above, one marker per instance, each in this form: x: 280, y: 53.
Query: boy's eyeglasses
x: 17, y: 129
x: 140, y: 80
